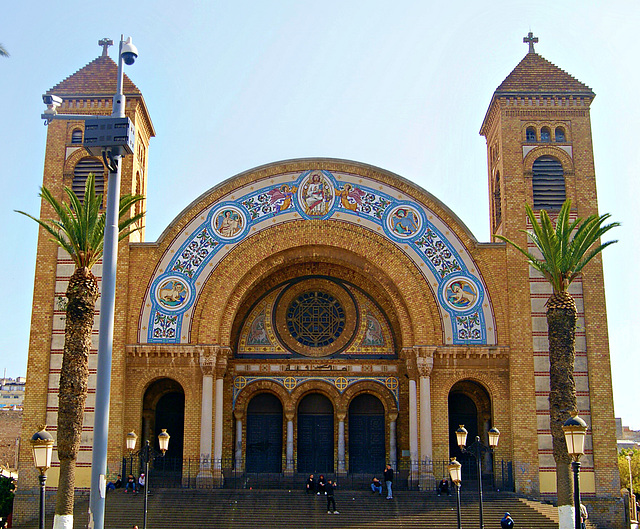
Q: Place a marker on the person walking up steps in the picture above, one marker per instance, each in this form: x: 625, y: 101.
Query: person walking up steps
x: 331, y: 501
x: 388, y: 479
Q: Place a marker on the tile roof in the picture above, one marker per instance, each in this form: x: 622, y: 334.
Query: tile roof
x: 536, y: 75
x: 97, y: 77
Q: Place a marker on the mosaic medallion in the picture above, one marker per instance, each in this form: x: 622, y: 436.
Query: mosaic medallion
x: 228, y: 222
x: 172, y: 293
x: 460, y: 293
x: 316, y: 194
x: 404, y: 221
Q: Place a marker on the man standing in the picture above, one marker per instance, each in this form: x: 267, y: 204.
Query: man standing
x: 331, y: 502
x: 388, y: 479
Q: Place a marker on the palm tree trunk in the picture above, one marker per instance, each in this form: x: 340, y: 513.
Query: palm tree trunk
x: 561, y: 322
x: 82, y: 294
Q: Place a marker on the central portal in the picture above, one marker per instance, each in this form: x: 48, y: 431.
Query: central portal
x: 315, y: 434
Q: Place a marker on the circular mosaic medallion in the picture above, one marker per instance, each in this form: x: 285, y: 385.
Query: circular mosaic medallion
x: 173, y: 293
x: 404, y: 221
x: 290, y: 383
x: 316, y: 317
x: 391, y: 382
x: 341, y: 383
x: 229, y: 222
x: 460, y: 293
x: 239, y: 382
x: 316, y: 194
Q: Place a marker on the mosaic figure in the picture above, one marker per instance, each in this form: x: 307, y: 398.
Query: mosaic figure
x: 228, y: 223
x: 172, y: 293
x: 461, y: 294
x: 257, y: 332
x: 373, y: 333
x: 280, y: 198
x: 405, y: 222
x: 317, y: 195
x: 350, y: 197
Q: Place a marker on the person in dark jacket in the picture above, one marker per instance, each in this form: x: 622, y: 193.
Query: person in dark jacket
x: 376, y: 485
x: 311, y: 485
x: 322, y: 485
x: 506, y: 522
x: 331, y: 502
x: 443, y: 487
x: 388, y: 479
x: 131, y: 484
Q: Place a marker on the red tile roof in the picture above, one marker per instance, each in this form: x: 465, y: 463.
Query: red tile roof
x: 97, y: 77
x: 536, y: 75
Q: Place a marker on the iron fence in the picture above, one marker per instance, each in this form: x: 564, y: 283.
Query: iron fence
x: 193, y: 473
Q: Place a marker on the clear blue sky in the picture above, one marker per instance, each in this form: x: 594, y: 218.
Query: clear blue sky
x: 402, y: 85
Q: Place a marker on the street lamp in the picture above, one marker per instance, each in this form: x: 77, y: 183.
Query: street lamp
x: 476, y: 449
x: 146, y: 454
x: 42, y: 448
x: 575, y: 432
x: 632, y: 498
x: 455, y: 471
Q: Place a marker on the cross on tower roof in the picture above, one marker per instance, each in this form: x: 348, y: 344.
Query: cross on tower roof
x: 530, y: 39
x: 105, y: 43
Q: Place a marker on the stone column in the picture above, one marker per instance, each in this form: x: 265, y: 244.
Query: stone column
x: 238, y: 451
x: 289, y: 467
x: 342, y: 469
x: 414, y: 449
x: 220, y: 371
x: 393, y: 444
x: 424, y: 362
x: 207, y: 362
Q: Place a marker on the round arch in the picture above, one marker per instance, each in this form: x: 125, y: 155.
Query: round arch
x: 548, y: 150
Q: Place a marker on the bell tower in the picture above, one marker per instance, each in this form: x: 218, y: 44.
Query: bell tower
x: 539, y: 152
x: 89, y: 91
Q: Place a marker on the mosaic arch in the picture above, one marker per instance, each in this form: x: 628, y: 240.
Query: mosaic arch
x: 194, y: 254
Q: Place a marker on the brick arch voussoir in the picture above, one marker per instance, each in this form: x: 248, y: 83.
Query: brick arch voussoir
x: 548, y: 150
x: 370, y: 388
x: 492, y: 385
x: 71, y: 162
x: 261, y: 386
x: 317, y: 386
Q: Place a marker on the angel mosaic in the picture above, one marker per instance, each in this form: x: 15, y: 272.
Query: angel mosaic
x: 280, y: 197
x: 350, y: 197
x: 405, y: 222
x: 228, y: 223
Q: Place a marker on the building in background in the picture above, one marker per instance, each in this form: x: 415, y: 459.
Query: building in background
x: 327, y: 316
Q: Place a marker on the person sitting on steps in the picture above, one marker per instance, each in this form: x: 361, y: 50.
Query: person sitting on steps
x: 376, y: 485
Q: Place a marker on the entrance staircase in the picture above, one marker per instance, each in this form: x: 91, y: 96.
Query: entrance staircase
x: 282, y: 509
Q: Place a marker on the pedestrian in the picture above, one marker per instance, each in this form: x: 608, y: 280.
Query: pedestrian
x: 311, y: 485
x: 322, y: 485
x: 506, y: 522
x: 331, y: 502
x: 113, y: 486
x: 376, y: 485
x: 141, y: 481
x: 443, y: 487
x: 584, y: 514
x: 131, y: 484
x: 388, y: 479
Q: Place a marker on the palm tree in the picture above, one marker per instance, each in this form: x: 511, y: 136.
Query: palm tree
x: 3, y: 51
x: 565, y: 251
x: 79, y: 230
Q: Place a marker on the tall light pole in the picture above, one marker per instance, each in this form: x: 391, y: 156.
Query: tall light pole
x: 455, y: 471
x: 42, y: 448
x: 476, y: 449
x: 575, y: 432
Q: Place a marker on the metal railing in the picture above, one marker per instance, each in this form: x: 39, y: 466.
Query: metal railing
x: 196, y: 473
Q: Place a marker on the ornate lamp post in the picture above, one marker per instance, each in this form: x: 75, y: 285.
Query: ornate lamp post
x: 42, y: 448
x: 146, y: 454
x: 476, y: 449
x: 455, y: 471
x: 575, y: 432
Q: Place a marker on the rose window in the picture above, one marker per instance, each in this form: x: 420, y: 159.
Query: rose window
x: 315, y: 319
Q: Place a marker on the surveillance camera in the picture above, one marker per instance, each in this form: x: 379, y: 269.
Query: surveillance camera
x: 51, y: 100
x: 129, y: 52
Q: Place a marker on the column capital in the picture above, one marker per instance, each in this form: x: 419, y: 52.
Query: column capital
x: 238, y: 414
x: 208, y: 357
x: 424, y: 366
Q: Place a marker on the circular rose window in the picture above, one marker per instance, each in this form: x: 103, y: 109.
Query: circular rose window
x: 315, y: 319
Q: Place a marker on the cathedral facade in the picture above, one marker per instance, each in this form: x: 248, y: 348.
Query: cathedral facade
x: 328, y: 316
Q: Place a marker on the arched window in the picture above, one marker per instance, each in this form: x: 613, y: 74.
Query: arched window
x: 81, y: 172
x: 497, y: 201
x: 545, y: 134
x: 560, y: 137
x: 531, y: 134
x: 76, y: 136
x: 548, y: 183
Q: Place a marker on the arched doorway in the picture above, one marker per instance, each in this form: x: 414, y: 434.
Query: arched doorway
x: 264, y: 434
x: 163, y: 408
x: 366, y: 435
x: 470, y: 405
x: 315, y: 434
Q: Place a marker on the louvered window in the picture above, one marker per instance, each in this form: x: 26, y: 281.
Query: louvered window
x: 81, y: 172
x: 531, y: 134
x: 548, y: 183
x: 560, y: 137
x: 497, y: 202
x: 76, y: 136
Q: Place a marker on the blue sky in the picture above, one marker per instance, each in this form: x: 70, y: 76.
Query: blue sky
x: 402, y: 85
